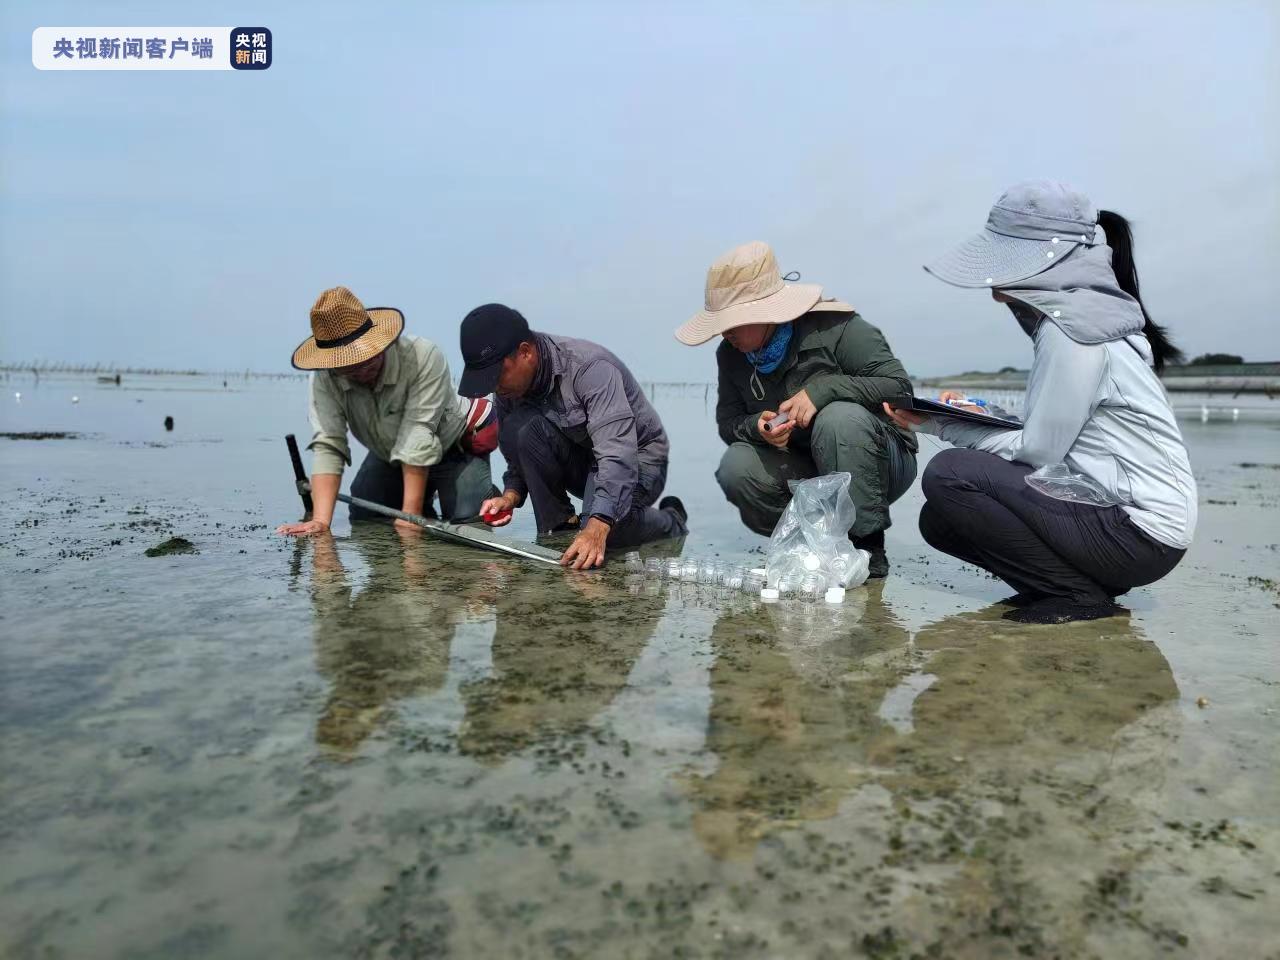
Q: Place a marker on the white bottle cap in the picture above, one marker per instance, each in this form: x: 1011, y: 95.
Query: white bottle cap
x: 769, y: 594
x: 812, y: 561
x: 835, y: 594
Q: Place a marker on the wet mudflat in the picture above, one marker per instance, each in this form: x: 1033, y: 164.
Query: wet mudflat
x: 374, y: 746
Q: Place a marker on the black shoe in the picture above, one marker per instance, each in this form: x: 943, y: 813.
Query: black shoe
x: 1063, y: 610
x: 873, y: 543
x: 676, y: 506
x: 1020, y: 600
x: 571, y: 525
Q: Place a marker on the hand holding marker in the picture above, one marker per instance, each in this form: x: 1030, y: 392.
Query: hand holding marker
x: 954, y: 398
x: 777, y: 421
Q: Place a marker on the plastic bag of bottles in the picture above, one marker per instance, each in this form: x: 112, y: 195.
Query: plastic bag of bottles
x: 1059, y: 481
x: 812, y: 536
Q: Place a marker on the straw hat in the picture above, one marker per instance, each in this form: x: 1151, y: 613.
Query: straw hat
x: 744, y: 286
x: 344, y: 333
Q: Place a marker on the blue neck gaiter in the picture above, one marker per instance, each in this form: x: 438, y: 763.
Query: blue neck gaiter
x: 767, y: 358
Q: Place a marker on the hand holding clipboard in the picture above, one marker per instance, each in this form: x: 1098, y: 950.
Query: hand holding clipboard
x: 909, y: 411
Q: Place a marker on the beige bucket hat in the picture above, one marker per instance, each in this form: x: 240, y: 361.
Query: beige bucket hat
x: 344, y: 333
x: 744, y: 286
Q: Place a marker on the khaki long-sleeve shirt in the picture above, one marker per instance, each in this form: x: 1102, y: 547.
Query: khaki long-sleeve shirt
x: 411, y: 416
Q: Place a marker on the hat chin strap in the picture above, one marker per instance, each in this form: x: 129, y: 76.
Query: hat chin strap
x: 351, y: 337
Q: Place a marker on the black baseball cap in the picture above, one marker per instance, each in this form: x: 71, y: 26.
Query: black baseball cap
x: 490, y: 334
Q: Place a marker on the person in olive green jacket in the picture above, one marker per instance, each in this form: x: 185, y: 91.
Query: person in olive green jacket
x: 824, y: 372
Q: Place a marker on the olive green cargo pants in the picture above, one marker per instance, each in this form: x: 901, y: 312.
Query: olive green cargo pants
x: 843, y: 437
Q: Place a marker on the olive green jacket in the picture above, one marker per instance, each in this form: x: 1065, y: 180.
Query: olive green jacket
x: 832, y: 356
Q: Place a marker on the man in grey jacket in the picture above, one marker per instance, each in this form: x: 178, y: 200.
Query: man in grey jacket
x: 573, y: 420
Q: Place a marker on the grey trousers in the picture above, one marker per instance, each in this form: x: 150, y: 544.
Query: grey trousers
x: 843, y: 437
x: 979, y: 508
x: 460, y: 480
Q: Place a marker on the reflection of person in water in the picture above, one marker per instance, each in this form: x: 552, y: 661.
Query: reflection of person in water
x: 796, y: 724
x: 557, y: 662
x: 794, y: 692
x: 1021, y: 703
x: 390, y: 640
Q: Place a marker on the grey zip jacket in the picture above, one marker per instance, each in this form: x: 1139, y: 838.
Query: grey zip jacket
x: 1093, y: 400
x: 592, y: 397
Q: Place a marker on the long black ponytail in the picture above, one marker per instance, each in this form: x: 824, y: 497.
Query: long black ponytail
x: 1120, y: 240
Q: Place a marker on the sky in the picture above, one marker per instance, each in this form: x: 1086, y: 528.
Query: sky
x: 586, y: 162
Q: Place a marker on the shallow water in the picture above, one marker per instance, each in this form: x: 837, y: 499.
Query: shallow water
x: 379, y: 748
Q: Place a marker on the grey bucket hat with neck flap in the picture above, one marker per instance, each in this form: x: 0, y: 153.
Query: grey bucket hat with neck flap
x: 1043, y: 247
x: 1032, y: 226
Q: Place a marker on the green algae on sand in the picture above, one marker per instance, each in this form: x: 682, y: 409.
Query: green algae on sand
x: 172, y: 546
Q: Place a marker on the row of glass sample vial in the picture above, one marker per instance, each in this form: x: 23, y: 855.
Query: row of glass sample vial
x: 809, y: 588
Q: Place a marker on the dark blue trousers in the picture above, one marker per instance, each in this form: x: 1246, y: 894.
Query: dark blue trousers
x: 979, y: 508
x: 461, y: 482
x: 553, y: 467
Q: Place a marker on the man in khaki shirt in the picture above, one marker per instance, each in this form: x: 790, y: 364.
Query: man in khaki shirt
x: 393, y: 392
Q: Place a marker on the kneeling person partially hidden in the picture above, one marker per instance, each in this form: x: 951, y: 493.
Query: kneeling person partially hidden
x: 573, y: 420
x: 787, y: 350
x: 395, y: 395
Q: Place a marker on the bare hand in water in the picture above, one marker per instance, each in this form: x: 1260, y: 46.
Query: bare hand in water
x: 306, y: 528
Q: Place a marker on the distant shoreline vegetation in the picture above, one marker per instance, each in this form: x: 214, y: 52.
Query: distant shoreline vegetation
x: 1202, y: 374
x: 111, y: 370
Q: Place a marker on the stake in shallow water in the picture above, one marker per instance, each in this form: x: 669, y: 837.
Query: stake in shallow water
x: 451, y: 532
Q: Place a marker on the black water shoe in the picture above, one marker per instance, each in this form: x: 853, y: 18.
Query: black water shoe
x: 676, y: 506
x: 572, y: 525
x: 873, y: 543
x: 1020, y: 600
x: 1063, y: 610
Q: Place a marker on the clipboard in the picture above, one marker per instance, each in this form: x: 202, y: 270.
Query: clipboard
x: 938, y: 409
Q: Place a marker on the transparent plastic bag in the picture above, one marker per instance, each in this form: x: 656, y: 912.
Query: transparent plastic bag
x: 812, y: 536
x: 1057, y: 480
x: 850, y: 568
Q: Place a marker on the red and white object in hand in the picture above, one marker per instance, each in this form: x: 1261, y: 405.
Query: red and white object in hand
x: 497, y: 518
